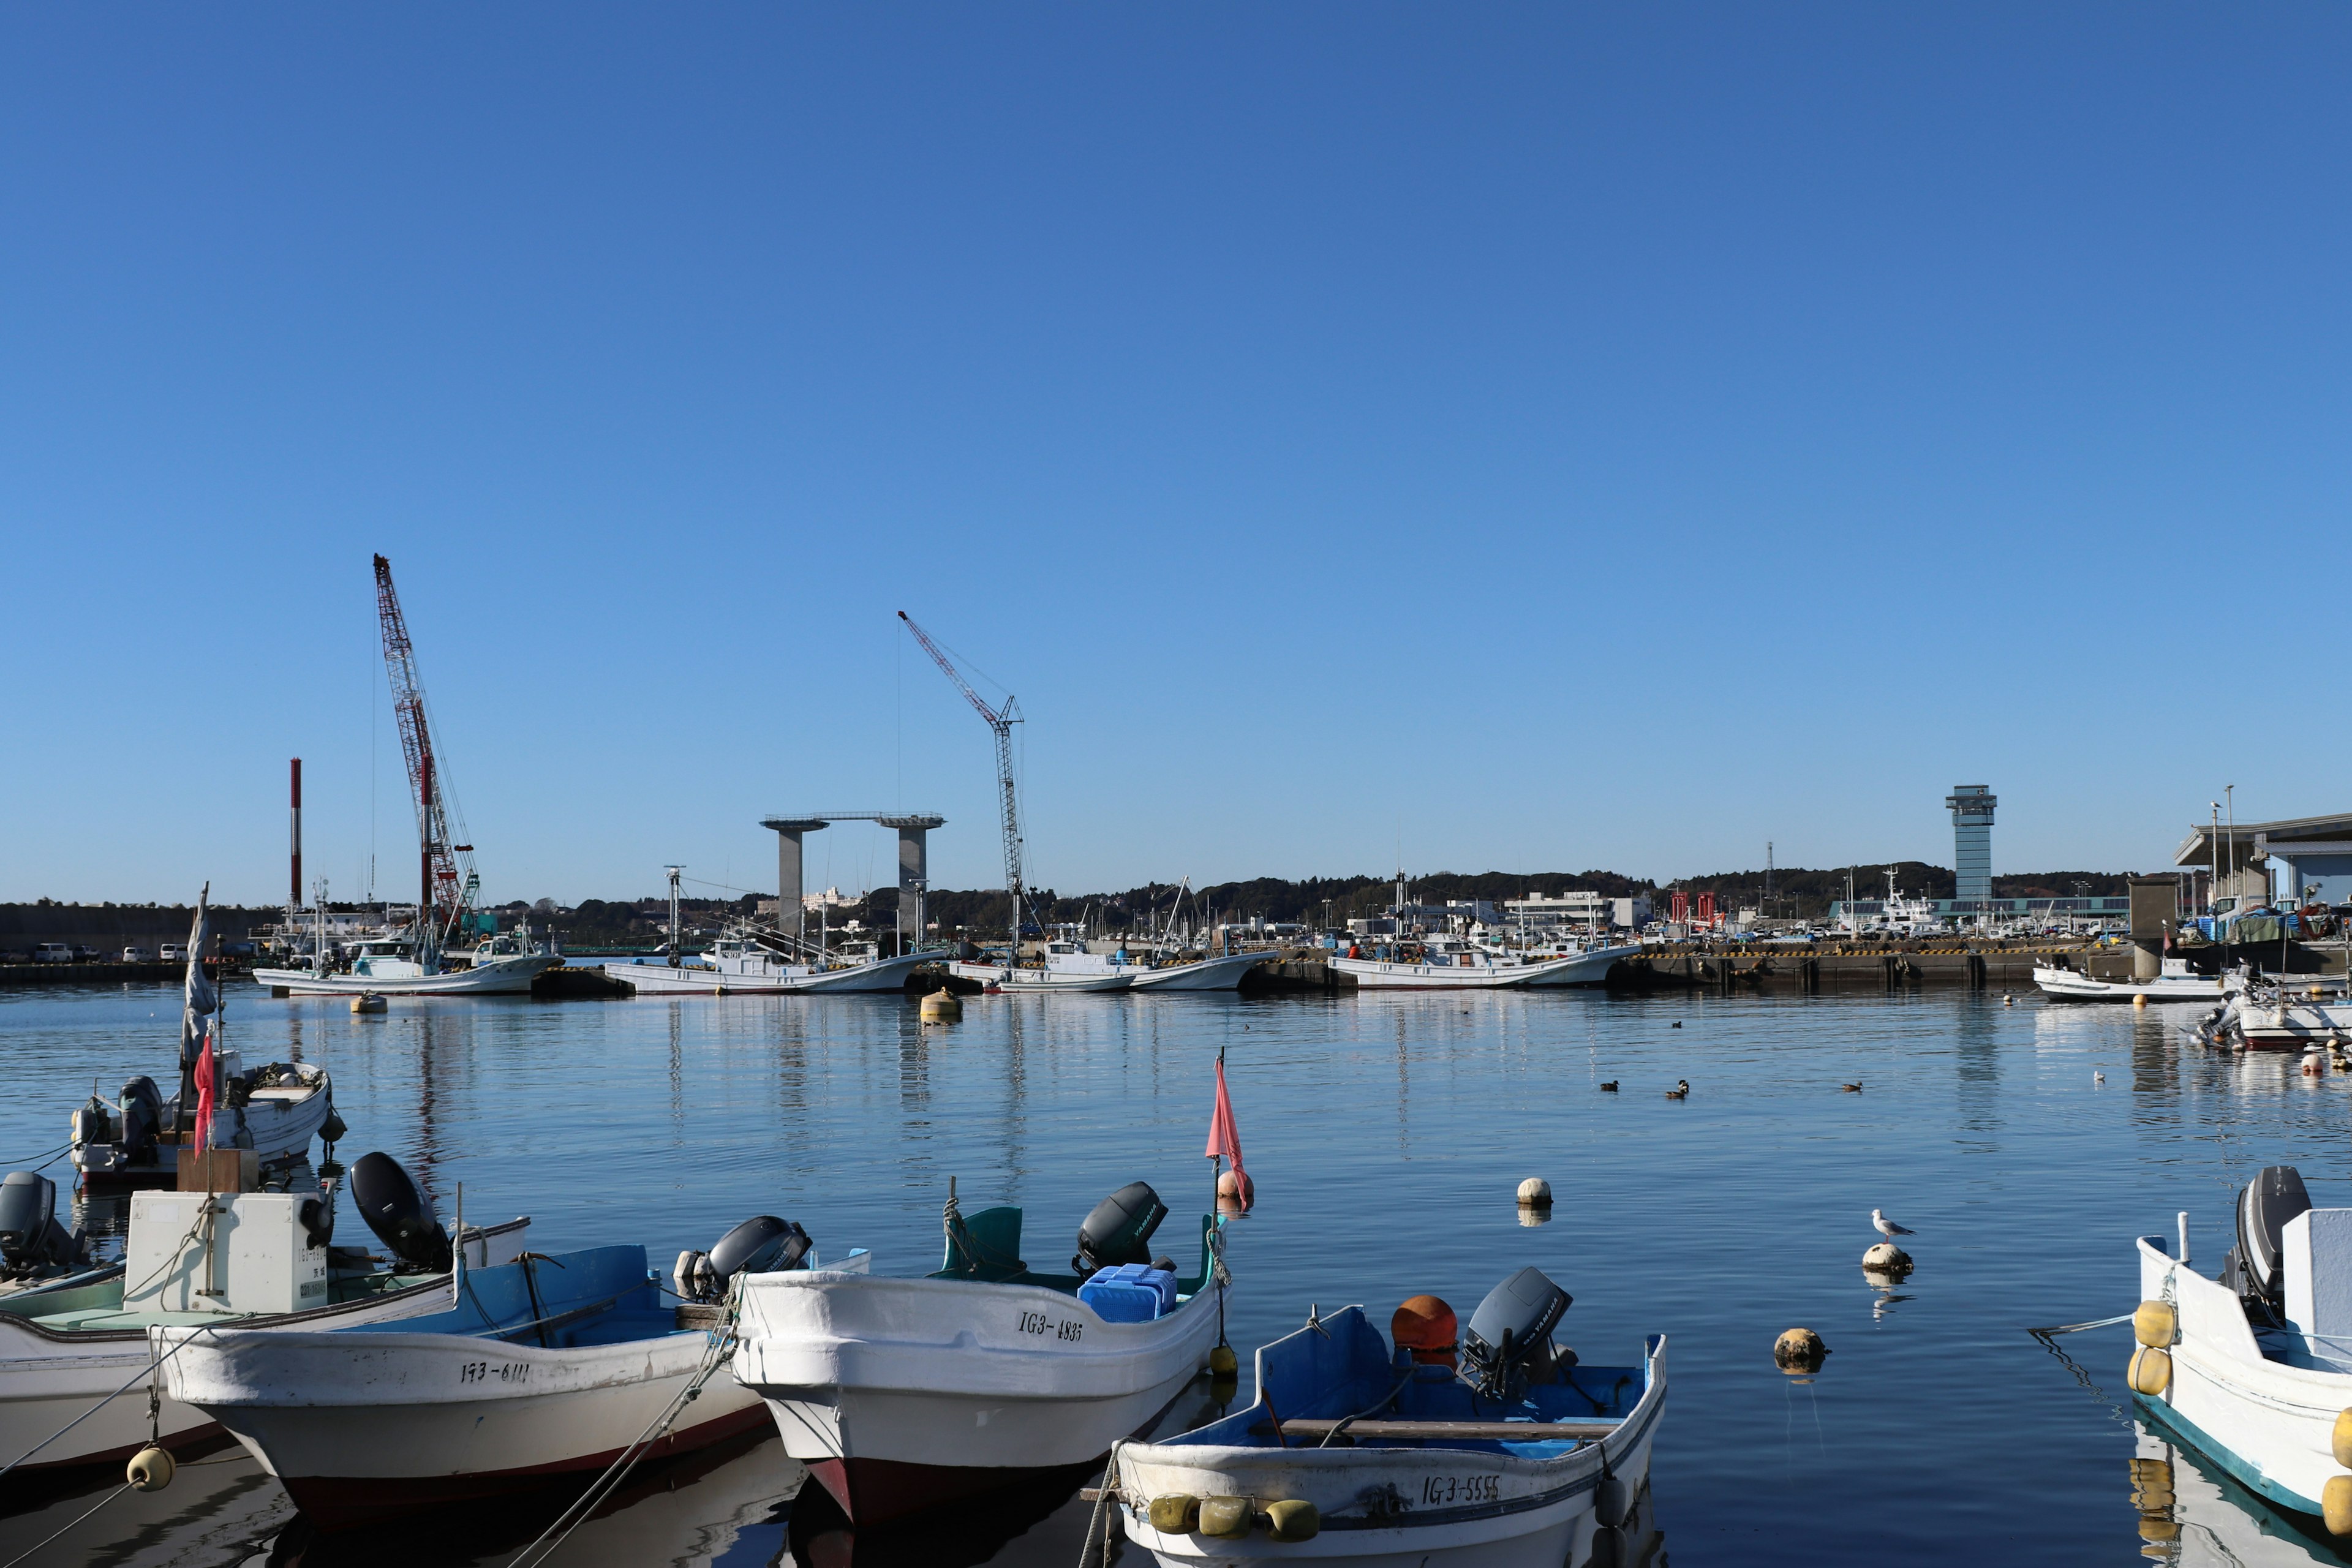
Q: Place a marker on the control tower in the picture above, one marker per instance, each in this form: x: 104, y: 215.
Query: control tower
x: 1971, y: 807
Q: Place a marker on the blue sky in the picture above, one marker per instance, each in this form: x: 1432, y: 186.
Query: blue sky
x: 1509, y: 437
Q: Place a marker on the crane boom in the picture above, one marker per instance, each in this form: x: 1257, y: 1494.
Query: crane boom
x: 445, y: 866
x: 1000, y: 723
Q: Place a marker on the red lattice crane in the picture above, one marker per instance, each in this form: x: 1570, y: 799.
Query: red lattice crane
x: 445, y: 866
x: 1000, y: 723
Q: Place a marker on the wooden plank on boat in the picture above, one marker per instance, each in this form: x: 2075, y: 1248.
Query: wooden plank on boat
x: 1480, y: 1431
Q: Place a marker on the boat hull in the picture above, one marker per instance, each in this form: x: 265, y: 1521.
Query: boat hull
x: 2270, y: 1424
x: 364, y: 1427
x: 1043, y: 982
x: 1224, y: 973
x: 902, y: 1395
x: 500, y: 977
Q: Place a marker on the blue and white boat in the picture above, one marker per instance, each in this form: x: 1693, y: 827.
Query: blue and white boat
x: 1355, y: 1452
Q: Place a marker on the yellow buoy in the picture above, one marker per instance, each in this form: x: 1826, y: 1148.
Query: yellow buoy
x: 2335, y: 1505
x: 2141, y: 1000
x: 1292, y: 1518
x: 367, y: 1002
x: 150, y: 1469
x: 1176, y: 1514
x: 2158, y: 1527
x: 942, y: 1006
x: 1222, y: 1363
x: 2151, y: 1371
x: 2158, y: 1323
x: 2152, y: 1485
x: 1226, y: 1517
x: 2343, y: 1438
x: 1800, y: 1350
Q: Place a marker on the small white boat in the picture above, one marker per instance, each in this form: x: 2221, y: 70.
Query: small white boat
x: 370, y: 1422
x: 1218, y: 972
x: 1448, y: 964
x: 1043, y: 979
x: 274, y: 1109
x: 1352, y: 1453
x: 501, y: 965
x: 902, y: 1394
x: 2297, y: 1013
x: 2254, y: 1370
x: 2176, y: 983
x: 76, y: 1353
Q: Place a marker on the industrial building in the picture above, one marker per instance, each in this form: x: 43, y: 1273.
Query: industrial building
x: 1971, y: 807
x: 2304, y: 859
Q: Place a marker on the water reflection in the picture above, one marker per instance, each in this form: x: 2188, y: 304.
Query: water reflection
x: 2192, y: 1514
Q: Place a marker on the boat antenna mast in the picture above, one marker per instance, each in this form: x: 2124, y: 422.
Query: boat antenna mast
x: 445, y: 866
x: 1000, y: 723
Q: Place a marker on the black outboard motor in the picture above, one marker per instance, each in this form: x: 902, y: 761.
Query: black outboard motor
x: 30, y: 1237
x: 400, y: 1215
x: 2252, y: 1270
x: 142, y: 1118
x: 1120, y: 1230
x: 760, y: 1245
x: 1509, y: 1338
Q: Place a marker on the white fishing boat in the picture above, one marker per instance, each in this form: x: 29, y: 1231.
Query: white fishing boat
x: 500, y: 965
x: 2254, y: 1370
x: 755, y: 964
x: 75, y: 1366
x: 369, y: 1422
x: 1216, y: 971
x: 2176, y: 982
x: 902, y: 1394
x: 1044, y: 978
x: 1448, y: 964
x: 1355, y: 1453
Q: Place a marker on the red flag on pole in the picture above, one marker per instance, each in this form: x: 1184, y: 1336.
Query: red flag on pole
x: 205, y: 1092
x: 1225, y: 1141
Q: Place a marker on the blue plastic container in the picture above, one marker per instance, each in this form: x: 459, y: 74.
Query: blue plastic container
x: 1130, y: 1293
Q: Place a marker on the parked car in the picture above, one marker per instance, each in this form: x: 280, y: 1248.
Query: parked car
x: 85, y: 955
x: 173, y: 952
x: 53, y: 953
x: 137, y: 955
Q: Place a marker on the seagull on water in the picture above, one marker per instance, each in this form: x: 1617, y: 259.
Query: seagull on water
x: 2098, y: 1076
x: 1888, y: 1227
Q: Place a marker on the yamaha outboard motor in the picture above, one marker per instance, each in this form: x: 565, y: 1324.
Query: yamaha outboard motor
x: 1509, y: 1338
x: 2252, y: 1270
x: 760, y: 1245
x: 1120, y: 1230
x: 400, y: 1215
x: 30, y: 1236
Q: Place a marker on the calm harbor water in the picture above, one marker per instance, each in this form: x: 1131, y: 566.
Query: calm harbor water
x: 1386, y: 1135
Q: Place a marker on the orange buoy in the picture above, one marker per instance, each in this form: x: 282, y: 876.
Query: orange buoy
x: 1235, y: 1187
x: 1424, y: 1325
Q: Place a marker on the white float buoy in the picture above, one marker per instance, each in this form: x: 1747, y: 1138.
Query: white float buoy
x: 1887, y: 1258
x: 1534, y: 1193
x: 1800, y: 1350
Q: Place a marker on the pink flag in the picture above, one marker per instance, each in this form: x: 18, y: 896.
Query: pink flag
x: 205, y: 1066
x: 1223, y: 1137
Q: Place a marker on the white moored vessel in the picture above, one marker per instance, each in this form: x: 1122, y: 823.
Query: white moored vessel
x: 902, y: 1395
x: 74, y: 1355
x: 1354, y: 1454
x: 2254, y: 1370
x: 2176, y: 983
x: 1447, y: 964
x: 754, y: 963
x: 371, y: 1422
x: 501, y: 965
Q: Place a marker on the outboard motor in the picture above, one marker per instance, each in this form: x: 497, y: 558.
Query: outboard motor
x: 1509, y: 1338
x: 2252, y: 1270
x: 1120, y: 1230
x: 30, y: 1236
x: 142, y: 1118
x: 400, y: 1215
x: 760, y: 1245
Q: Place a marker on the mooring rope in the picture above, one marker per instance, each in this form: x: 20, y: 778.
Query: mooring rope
x: 69, y: 1525
x: 149, y: 1370
x: 2048, y: 1341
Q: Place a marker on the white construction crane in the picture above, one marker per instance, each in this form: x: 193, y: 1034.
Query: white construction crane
x: 1000, y: 723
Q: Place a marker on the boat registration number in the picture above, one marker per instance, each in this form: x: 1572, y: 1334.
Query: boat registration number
x: 485, y: 1371
x: 1437, y: 1491
x: 1060, y: 1328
